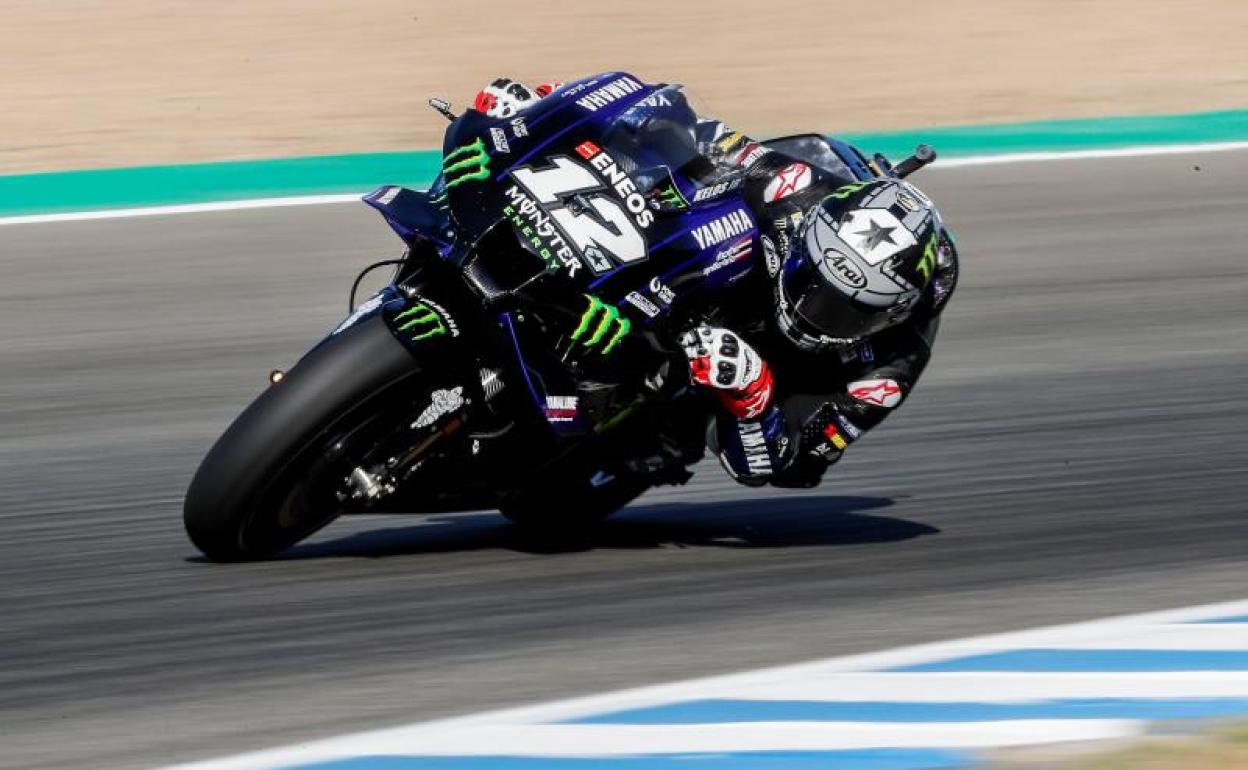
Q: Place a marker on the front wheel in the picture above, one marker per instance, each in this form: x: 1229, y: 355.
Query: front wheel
x: 265, y: 484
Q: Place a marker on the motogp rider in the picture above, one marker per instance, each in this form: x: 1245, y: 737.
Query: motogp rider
x: 837, y: 336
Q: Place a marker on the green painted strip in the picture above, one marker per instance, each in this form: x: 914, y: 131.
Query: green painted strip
x: 238, y: 180
x: 203, y: 182
x: 1063, y: 135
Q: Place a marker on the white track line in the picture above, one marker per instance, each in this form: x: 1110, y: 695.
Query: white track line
x: 631, y: 740
x: 186, y: 208
x: 415, y: 738
x: 313, y: 200
x: 618, y: 740
x: 1212, y: 636
x: 994, y: 687
x: 1120, y: 152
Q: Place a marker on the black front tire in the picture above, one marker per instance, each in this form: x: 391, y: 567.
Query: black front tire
x: 249, y: 499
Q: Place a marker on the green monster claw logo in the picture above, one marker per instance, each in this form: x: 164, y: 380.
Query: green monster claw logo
x: 841, y: 193
x: 928, y: 261
x: 422, y: 321
x: 469, y: 163
x: 605, y: 317
x: 670, y: 196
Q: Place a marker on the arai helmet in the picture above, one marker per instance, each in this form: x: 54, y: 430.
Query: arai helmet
x: 859, y: 263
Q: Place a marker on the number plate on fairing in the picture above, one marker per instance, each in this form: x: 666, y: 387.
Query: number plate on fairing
x: 577, y: 212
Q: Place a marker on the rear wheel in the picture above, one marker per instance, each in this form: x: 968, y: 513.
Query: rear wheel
x: 271, y: 479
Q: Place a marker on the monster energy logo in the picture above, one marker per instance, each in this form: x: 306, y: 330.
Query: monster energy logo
x: 841, y: 193
x: 928, y: 261
x: 601, y: 318
x: 469, y: 163
x: 670, y: 196
x: 424, y: 320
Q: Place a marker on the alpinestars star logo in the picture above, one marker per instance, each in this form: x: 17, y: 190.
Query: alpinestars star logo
x: 885, y: 393
x: 792, y: 178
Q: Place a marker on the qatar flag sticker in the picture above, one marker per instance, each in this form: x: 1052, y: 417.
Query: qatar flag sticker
x: 791, y: 179
x: 885, y: 393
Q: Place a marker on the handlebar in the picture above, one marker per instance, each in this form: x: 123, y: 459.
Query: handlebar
x: 923, y: 155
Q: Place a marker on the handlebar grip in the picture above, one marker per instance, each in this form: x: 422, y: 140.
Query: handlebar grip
x: 923, y: 155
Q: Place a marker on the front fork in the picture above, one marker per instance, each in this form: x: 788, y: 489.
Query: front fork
x: 457, y: 390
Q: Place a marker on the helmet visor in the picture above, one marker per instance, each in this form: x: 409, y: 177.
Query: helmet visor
x: 817, y: 311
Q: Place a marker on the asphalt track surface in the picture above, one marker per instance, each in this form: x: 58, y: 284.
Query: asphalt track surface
x: 1076, y: 450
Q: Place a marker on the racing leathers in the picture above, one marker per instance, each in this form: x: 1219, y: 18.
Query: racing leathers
x: 792, y: 404
x: 789, y: 404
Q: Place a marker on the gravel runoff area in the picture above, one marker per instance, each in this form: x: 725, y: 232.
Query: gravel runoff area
x: 126, y: 82
x: 1221, y: 748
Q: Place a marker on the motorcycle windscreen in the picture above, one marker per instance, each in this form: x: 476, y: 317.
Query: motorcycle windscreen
x: 658, y: 143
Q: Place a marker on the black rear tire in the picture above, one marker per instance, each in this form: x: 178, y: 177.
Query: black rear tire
x: 245, y: 501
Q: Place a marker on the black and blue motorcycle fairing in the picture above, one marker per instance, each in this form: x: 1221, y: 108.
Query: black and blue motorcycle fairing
x: 604, y: 185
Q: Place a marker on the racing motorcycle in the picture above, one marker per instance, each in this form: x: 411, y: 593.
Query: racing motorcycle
x: 444, y: 391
